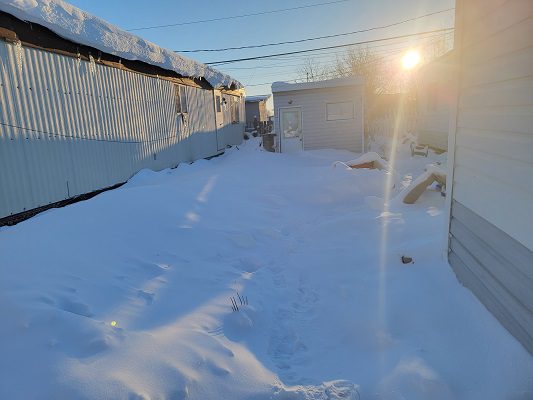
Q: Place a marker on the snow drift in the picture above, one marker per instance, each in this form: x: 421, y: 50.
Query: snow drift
x: 332, y: 313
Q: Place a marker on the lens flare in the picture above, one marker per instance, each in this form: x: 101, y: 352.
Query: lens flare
x: 411, y: 59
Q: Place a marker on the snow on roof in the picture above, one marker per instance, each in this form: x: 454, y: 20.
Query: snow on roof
x: 330, y: 83
x: 78, y: 26
x: 258, y: 98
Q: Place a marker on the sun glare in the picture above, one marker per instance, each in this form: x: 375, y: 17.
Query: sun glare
x: 411, y: 59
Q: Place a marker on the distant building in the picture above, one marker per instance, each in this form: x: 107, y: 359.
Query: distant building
x: 256, y: 110
x: 435, y: 98
x: 491, y: 160
x: 318, y: 115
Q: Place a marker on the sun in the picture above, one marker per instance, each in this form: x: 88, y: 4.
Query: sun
x: 411, y: 59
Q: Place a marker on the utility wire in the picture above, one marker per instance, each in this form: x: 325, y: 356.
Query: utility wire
x: 399, y: 45
x: 391, y: 56
x: 318, y: 37
x: 325, y: 48
x: 201, y: 21
x: 334, y: 74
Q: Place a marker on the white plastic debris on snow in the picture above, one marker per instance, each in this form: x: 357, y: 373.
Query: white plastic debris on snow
x: 370, y: 157
x: 81, y: 27
x: 431, y: 174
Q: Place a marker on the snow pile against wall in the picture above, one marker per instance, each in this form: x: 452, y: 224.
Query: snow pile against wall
x: 81, y: 27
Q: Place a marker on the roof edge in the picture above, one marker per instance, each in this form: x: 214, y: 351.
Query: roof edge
x: 330, y: 83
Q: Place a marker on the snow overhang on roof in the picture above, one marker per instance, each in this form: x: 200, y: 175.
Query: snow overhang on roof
x: 330, y: 83
x: 255, y: 99
x: 83, y: 28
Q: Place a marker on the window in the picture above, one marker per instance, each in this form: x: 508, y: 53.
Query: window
x: 181, y: 99
x: 339, y: 111
x: 218, y: 105
x: 184, y: 105
x: 291, y: 122
x: 235, y: 109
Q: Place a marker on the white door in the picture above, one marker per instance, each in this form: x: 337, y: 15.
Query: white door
x: 219, y: 117
x: 291, y: 134
x: 219, y: 114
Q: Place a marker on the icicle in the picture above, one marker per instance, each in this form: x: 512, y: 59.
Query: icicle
x: 92, y: 65
x: 19, y: 54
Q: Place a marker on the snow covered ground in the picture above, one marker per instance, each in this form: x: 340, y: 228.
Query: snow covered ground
x: 127, y: 296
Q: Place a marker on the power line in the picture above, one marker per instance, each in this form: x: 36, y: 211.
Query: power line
x: 318, y: 37
x: 326, y: 48
x: 331, y: 74
x: 391, y: 56
x: 270, y: 83
x: 386, y: 49
x: 201, y: 21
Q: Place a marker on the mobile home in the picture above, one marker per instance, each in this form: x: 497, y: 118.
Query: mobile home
x: 317, y: 115
x: 491, y: 160
x: 86, y: 105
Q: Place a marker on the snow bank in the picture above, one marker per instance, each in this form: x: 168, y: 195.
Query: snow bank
x: 332, y: 313
x: 81, y: 27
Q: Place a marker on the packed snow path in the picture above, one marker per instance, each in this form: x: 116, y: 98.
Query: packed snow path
x: 127, y: 296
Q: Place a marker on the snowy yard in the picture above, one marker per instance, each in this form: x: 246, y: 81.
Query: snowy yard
x: 127, y: 295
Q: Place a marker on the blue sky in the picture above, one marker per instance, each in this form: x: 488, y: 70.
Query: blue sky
x: 297, y: 24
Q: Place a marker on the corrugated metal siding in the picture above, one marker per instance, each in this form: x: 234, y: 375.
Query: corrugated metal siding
x: 317, y: 132
x: 69, y: 127
x: 231, y: 133
x: 493, y: 179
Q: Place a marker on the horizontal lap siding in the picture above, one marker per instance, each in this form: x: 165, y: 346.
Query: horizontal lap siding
x: 318, y: 133
x: 70, y: 127
x: 492, y: 213
x: 496, y: 268
x: 494, y: 138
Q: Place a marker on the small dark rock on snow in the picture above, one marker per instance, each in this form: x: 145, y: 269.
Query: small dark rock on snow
x: 407, y: 260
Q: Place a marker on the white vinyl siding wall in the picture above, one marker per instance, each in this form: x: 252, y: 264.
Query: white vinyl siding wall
x: 492, y: 209
x: 494, y: 139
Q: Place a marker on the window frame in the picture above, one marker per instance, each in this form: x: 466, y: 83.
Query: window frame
x: 235, y: 109
x: 180, y: 99
x: 218, y: 103
x: 352, y: 117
